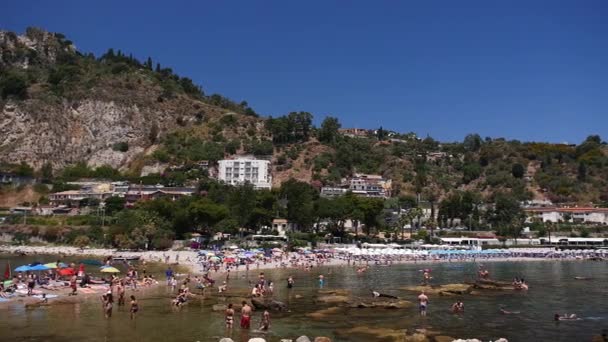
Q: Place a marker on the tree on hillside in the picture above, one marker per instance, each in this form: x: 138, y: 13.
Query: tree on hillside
x: 242, y: 202
x: 299, y: 197
x: 517, y: 170
x: 472, y: 142
x: 205, y: 214
x: 114, y: 204
x: 46, y: 173
x: 582, y: 172
x: 506, y: 217
x: 328, y: 133
x: 370, y: 209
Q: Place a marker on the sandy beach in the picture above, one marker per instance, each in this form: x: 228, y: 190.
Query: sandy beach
x: 190, y: 258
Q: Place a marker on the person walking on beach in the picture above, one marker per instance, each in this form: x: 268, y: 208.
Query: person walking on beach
x: 169, y: 274
x: 120, y: 290
x: 245, y: 316
x: 73, y: 285
x: 423, y: 302
x: 134, y: 307
x: 31, y: 283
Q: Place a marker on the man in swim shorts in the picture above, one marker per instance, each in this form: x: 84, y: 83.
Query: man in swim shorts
x: 246, y: 316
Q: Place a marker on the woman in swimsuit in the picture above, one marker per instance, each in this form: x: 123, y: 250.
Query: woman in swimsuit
x: 229, y: 316
x: 134, y: 307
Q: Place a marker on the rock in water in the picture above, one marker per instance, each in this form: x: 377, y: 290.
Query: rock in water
x: 303, y: 339
x: 257, y: 339
x: 219, y: 307
x: 322, y: 339
x: 226, y: 339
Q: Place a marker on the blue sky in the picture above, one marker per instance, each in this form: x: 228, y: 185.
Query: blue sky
x: 528, y: 70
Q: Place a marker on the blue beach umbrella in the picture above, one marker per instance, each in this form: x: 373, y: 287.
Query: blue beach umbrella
x: 23, y: 268
x: 39, y: 268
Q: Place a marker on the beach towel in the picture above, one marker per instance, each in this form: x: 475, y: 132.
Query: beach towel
x: 3, y: 300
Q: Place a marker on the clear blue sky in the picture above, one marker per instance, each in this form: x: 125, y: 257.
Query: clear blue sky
x: 529, y: 70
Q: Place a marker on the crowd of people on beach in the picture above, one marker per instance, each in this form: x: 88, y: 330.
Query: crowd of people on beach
x: 216, y: 269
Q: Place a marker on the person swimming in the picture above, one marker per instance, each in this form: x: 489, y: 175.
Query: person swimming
x: 506, y: 312
x: 565, y: 317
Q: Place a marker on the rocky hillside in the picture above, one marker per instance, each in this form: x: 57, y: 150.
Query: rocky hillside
x: 61, y: 106
x: 72, y: 112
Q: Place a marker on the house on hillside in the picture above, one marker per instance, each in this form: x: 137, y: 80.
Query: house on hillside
x: 576, y: 214
x: 241, y: 170
x: 150, y: 192
x: 355, y: 132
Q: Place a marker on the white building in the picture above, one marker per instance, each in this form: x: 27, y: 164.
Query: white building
x: 243, y: 170
x: 576, y: 214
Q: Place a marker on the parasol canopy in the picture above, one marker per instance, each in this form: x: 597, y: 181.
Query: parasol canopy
x: 66, y: 271
x: 39, y: 267
x: 23, y: 268
x: 110, y: 270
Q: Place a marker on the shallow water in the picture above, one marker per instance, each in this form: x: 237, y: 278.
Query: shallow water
x: 552, y: 289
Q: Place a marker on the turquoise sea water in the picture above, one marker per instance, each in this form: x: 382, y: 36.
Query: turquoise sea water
x: 553, y: 289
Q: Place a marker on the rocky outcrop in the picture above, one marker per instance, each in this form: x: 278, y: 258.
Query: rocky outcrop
x: 273, y: 305
x: 447, y: 289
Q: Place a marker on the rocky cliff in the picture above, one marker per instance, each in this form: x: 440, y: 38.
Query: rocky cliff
x: 77, y: 108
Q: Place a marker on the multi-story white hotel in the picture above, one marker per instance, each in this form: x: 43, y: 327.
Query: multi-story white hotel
x: 243, y: 170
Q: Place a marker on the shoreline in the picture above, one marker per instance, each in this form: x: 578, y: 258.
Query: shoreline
x: 189, y: 259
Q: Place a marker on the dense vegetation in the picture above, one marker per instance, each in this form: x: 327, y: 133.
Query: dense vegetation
x: 70, y: 74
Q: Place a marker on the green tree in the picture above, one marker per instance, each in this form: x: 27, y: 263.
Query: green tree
x: 13, y: 84
x: 242, y: 202
x: 46, y: 173
x: 328, y: 133
x: 299, y: 197
x: 517, y: 170
x: 472, y: 142
x: 204, y: 213
x: 506, y: 216
x: 24, y: 170
x: 370, y: 209
x: 114, y: 204
x: 470, y: 172
x: 582, y: 172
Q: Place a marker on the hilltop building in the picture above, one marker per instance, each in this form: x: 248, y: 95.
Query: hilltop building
x: 362, y: 185
x: 243, y: 170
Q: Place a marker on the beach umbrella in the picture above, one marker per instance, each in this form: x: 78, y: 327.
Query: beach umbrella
x: 66, y: 271
x: 110, y: 270
x: 39, y: 267
x: 214, y: 258
x: 23, y: 268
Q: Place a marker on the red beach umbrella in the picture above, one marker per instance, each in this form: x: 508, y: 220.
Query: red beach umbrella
x: 66, y: 271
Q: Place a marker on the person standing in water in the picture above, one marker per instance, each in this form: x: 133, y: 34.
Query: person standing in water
x: 245, y: 316
x: 290, y: 282
x: 134, y: 307
x: 265, y: 321
x: 321, y: 280
x: 229, y: 316
x: 423, y: 302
